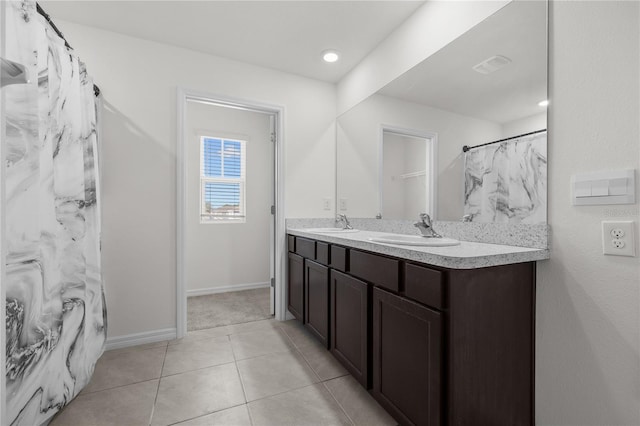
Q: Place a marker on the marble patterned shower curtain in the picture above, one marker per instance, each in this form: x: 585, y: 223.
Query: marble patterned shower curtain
x: 507, y: 182
x: 55, y: 310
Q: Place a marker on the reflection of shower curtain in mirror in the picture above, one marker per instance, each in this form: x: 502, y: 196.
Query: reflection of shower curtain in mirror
x: 507, y: 182
x: 55, y: 311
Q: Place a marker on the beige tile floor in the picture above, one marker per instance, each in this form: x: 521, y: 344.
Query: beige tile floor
x: 258, y: 373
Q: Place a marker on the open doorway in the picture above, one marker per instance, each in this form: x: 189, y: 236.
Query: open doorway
x: 227, y: 205
x: 407, y: 173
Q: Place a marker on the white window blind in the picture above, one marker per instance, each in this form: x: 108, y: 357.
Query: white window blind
x: 222, y: 180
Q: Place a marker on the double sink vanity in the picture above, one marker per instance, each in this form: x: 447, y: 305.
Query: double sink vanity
x: 440, y: 331
x: 438, y: 335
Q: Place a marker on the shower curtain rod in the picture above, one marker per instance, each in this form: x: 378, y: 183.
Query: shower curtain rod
x: 96, y: 89
x: 467, y: 148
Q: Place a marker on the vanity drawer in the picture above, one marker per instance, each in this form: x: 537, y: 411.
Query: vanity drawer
x: 322, y: 253
x: 424, y: 285
x: 291, y: 243
x: 338, y: 259
x: 306, y: 248
x: 378, y: 270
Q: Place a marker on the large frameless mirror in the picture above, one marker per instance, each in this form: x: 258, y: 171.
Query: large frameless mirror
x: 399, y: 152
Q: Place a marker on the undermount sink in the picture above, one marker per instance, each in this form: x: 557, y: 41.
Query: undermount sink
x: 416, y: 240
x: 330, y: 230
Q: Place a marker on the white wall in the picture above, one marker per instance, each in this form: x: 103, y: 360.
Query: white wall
x: 220, y: 256
x: 358, y: 141
x: 524, y: 125
x: 588, y: 305
x: 139, y: 80
x: 429, y: 29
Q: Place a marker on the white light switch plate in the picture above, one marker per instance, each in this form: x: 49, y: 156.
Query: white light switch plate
x: 618, y: 238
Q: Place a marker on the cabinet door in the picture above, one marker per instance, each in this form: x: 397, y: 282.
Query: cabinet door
x: 349, y: 325
x: 406, y: 359
x: 316, y: 314
x: 295, y: 286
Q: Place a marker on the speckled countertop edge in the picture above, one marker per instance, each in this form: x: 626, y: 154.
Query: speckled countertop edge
x: 468, y: 255
x: 520, y: 235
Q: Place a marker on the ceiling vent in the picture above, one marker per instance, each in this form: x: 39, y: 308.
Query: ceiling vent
x: 492, y: 64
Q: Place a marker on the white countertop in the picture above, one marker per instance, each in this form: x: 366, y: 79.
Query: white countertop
x: 467, y: 255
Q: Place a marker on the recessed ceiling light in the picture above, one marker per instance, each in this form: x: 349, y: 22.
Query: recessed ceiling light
x: 330, y: 56
x: 543, y: 103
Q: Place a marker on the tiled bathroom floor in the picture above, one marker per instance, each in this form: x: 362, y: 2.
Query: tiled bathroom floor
x: 258, y: 373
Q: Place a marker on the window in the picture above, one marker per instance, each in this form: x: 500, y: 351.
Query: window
x: 222, y: 180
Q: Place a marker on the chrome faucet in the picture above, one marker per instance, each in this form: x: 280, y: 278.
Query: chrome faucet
x: 342, y: 218
x: 425, y: 227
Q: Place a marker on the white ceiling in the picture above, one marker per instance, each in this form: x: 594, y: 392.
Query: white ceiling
x: 447, y: 81
x: 284, y: 35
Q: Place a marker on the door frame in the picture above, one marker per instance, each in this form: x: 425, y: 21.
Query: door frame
x: 431, y: 139
x: 3, y: 242
x: 183, y: 96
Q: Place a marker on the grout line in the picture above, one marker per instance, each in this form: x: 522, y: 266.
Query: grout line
x: 289, y: 348
x: 198, y: 369
x: 298, y: 347
x: 155, y: 400
x: 136, y: 348
x: 283, y: 392
x: 207, y: 339
x: 336, y: 377
x: 288, y: 390
x: 195, y: 339
x: 207, y: 414
x: 338, y: 402
x: 233, y: 352
x: 249, y: 414
x: 323, y: 383
x: 83, y: 393
x: 255, y: 330
x: 309, y: 365
x: 268, y: 353
x: 86, y: 392
x: 244, y: 392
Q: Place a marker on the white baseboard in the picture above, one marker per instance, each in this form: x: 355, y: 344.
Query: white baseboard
x: 225, y: 289
x: 135, y: 339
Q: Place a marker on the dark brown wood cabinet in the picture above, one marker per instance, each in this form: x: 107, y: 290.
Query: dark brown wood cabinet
x: 316, y: 314
x: 491, y: 352
x: 407, y: 351
x: 350, y: 325
x: 295, y: 286
x: 435, y: 346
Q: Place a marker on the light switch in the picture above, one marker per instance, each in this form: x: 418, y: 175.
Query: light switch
x: 600, y: 188
x: 582, y: 189
x: 618, y: 186
x: 606, y: 187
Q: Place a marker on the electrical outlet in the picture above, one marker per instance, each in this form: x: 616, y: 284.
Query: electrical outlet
x: 619, y: 244
x: 617, y: 233
x: 618, y: 238
x: 326, y: 202
x: 343, y: 204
